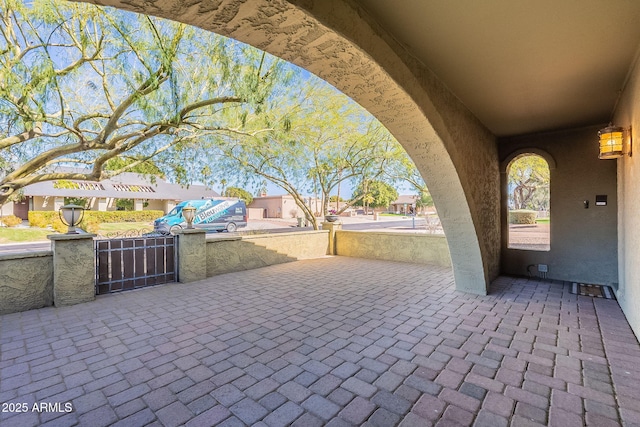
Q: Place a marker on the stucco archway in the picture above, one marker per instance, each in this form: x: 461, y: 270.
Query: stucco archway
x: 337, y: 41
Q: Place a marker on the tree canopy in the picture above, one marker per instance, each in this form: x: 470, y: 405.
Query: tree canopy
x: 82, y: 85
x: 529, y: 183
x: 240, y: 193
x: 88, y: 92
x: 375, y: 194
x: 319, y: 140
x: 424, y: 200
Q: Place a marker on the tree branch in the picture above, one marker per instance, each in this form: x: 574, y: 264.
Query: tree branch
x: 24, y: 136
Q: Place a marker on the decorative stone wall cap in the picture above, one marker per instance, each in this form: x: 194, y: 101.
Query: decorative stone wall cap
x: 192, y: 231
x: 70, y: 236
x: 218, y: 238
x: 408, y: 233
x: 276, y: 235
x: 222, y: 238
x: 24, y: 255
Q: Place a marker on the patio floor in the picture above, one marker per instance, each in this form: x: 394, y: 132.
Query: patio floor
x: 332, y: 341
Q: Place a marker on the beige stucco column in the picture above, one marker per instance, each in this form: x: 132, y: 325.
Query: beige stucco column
x: 74, y: 268
x: 192, y: 255
x: 332, y: 227
x: 58, y: 202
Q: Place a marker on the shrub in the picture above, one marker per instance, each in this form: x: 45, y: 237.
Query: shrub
x: 91, y: 220
x: 42, y: 219
x: 90, y: 225
x: 522, y: 217
x: 11, y: 220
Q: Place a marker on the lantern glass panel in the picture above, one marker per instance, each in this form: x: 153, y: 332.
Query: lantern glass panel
x: 611, y: 144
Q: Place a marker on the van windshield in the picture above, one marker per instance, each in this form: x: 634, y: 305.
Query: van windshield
x: 175, y: 211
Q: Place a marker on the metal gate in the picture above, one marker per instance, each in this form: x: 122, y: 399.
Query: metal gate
x: 136, y: 262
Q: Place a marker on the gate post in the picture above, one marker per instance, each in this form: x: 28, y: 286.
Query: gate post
x: 192, y: 255
x: 332, y: 227
x: 74, y: 268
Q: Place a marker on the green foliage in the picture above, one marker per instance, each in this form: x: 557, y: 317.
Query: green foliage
x: 319, y: 139
x: 125, y: 204
x: 10, y: 220
x: 375, y: 194
x: 66, y: 184
x: 79, y: 201
x: 239, y: 193
x: 522, y: 216
x: 12, y: 235
x: 528, y: 182
x: 85, y: 85
x: 115, y: 91
x: 425, y: 200
x: 45, y: 219
x: 147, y: 167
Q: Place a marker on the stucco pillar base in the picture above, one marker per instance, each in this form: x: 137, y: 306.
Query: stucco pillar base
x: 74, y: 268
x: 332, y: 227
x: 192, y: 255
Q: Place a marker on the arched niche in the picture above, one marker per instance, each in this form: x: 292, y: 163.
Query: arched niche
x: 504, y: 170
x: 336, y: 40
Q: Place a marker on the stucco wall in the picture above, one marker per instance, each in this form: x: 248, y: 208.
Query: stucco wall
x: 273, y: 205
x: 43, y: 203
x: 404, y: 247
x: 583, y: 241
x: 628, y: 114
x: 238, y: 253
x: 26, y: 281
x: 156, y: 205
x: 6, y: 209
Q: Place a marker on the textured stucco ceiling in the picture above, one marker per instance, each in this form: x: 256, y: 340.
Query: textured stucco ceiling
x: 522, y: 66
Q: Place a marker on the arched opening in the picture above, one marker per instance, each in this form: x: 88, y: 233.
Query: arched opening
x: 528, y: 189
x: 338, y: 42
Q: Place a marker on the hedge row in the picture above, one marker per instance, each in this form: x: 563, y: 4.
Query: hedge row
x: 522, y: 217
x: 91, y: 220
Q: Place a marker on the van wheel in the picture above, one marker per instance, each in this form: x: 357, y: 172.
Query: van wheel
x: 175, y: 229
x: 231, y: 227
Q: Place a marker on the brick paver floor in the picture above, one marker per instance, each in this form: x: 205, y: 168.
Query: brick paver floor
x: 333, y: 341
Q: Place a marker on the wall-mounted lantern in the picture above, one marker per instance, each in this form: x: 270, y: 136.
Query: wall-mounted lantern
x: 71, y: 215
x: 189, y: 213
x: 614, y: 142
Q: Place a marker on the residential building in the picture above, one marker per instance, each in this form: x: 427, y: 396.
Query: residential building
x: 283, y: 206
x: 404, y: 204
x: 145, y: 193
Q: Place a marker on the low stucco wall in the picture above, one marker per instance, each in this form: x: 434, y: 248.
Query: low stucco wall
x: 238, y: 253
x: 404, y: 247
x: 26, y: 281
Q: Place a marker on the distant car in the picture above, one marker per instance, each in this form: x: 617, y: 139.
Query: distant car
x: 211, y: 214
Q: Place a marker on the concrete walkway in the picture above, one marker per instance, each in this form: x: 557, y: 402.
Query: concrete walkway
x: 332, y: 341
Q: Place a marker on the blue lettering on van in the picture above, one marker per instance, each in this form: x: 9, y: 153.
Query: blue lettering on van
x: 214, y: 212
